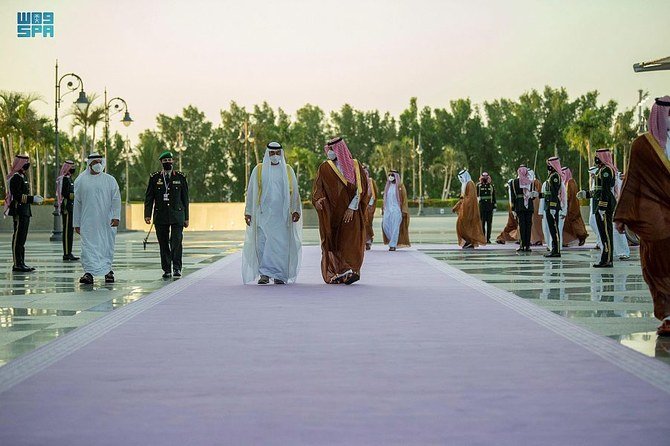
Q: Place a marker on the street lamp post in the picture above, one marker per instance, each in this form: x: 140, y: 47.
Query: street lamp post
x: 81, y: 103
x: 419, y: 151
x: 412, y: 155
x: 127, y: 154
x: 245, y: 137
x: 119, y: 105
x: 297, y: 175
x: 180, y: 147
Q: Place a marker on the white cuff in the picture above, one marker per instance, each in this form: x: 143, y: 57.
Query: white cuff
x: 354, y: 203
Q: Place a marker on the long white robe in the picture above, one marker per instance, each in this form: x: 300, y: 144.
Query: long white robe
x: 392, y: 217
x: 620, y: 242
x: 273, y: 242
x: 97, y: 200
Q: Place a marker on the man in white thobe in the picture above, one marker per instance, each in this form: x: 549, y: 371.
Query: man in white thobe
x: 395, y: 199
x: 273, y: 241
x: 96, y: 215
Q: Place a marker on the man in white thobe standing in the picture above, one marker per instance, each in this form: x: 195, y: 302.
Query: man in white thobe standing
x: 273, y: 241
x: 395, y: 215
x: 97, y: 211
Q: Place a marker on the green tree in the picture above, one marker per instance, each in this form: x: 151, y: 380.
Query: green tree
x: 624, y: 133
x: 231, y: 165
x: 90, y: 117
x: 144, y: 163
x: 305, y: 164
x: 202, y: 160
x: 445, y: 166
x: 309, y: 129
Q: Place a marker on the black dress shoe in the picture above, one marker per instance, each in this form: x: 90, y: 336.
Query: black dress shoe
x: 21, y: 269
x: 552, y: 255
x: 70, y: 257
x: 264, y: 280
x: 279, y: 282
x: 166, y: 275
x: 86, y: 279
x: 352, y: 279
x: 520, y: 249
x: 29, y: 268
x: 528, y: 249
x: 176, y: 273
x: 109, y: 277
x: 603, y: 265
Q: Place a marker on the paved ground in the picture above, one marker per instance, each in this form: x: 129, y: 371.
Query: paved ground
x: 37, y: 308
x: 442, y: 358
x: 613, y: 302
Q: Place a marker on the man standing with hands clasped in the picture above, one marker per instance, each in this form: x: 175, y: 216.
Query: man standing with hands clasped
x: 167, y: 199
x: 17, y: 205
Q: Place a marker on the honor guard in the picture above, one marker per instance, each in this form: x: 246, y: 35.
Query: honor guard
x: 521, y: 196
x: 65, y: 204
x: 553, y: 190
x: 603, y: 203
x: 17, y: 204
x: 167, y: 199
x: 487, y: 203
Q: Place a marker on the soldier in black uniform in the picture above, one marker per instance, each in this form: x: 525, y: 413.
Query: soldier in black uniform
x: 65, y: 186
x: 487, y: 203
x: 521, y: 196
x: 603, y: 203
x: 552, y: 204
x: 167, y: 197
x: 17, y: 204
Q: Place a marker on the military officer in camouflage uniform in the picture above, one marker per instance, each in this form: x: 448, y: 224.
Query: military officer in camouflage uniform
x: 167, y: 199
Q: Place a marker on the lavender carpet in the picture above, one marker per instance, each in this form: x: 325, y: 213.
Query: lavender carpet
x: 415, y: 353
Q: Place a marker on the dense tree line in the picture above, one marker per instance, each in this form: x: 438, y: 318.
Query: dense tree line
x: 495, y: 136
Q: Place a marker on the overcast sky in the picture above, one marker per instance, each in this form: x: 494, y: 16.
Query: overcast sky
x: 163, y: 55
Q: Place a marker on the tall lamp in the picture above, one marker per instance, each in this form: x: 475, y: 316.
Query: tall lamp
x: 74, y: 83
x: 119, y: 105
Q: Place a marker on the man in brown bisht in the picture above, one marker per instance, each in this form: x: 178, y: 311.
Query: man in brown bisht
x: 370, y: 210
x: 468, y: 224
x: 510, y: 232
x: 644, y: 207
x: 536, y: 234
x: 341, y: 197
x: 574, y: 228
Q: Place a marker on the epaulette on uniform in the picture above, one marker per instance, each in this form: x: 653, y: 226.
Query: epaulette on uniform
x: 155, y: 173
x: 180, y: 173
